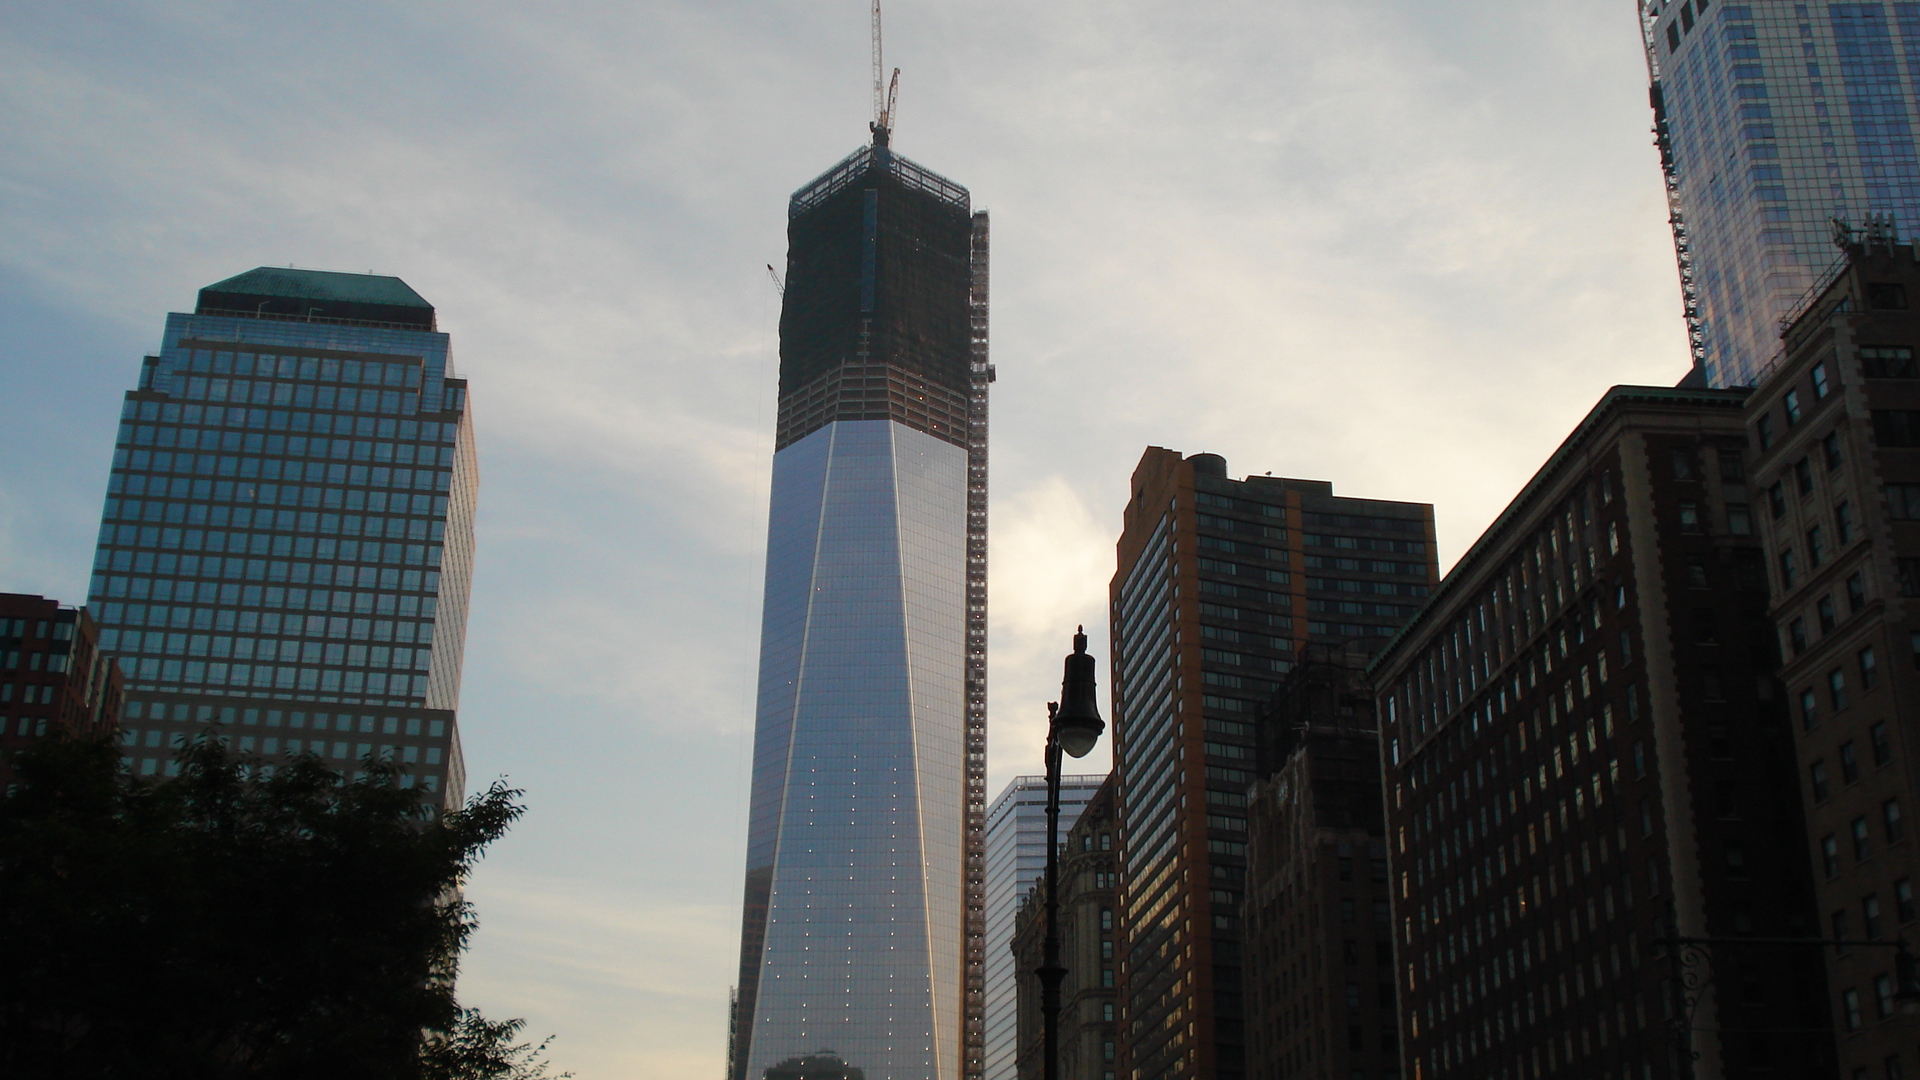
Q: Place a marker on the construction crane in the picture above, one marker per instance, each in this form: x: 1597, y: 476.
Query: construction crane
x: 778, y: 285
x: 883, y: 99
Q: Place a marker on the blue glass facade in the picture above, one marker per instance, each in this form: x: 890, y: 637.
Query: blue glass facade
x: 1777, y: 119
x: 864, y: 913
x: 286, y: 546
x: 858, y: 769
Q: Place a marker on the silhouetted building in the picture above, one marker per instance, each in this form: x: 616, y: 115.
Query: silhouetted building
x: 1319, y: 971
x: 287, y: 542
x: 53, y: 676
x: 864, y: 909
x: 1776, y: 121
x: 1016, y: 858
x: 1090, y: 950
x: 1220, y: 582
x: 1835, y: 488
x: 1587, y: 756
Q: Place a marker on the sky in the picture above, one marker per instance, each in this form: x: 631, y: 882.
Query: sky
x: 1402, y: 245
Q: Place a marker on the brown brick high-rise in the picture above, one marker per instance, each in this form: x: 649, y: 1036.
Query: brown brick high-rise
x: 1220, y: 583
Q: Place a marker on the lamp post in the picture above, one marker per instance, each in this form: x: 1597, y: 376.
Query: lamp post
x: 1073, y: 726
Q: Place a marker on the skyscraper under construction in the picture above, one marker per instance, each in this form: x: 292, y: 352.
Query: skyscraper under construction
x: 863, y: 918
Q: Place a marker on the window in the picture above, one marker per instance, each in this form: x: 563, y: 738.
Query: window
x: 1739, y: 519
x: 1903, y: 905
x: 1685, y: 466
x: 1886, y: 295
x: 1843, y: 523
x: 1890, y: 815
x: 1824, y: 609
x: 1696, y: 572
x: 1830, y: 855
x: 1856, y: 591
x: 1849, y: 763
x: 1763, y: 432
x: 1816, y: 546
x: 1689, y: 517
x: 1809, y: 710
x: 1881, y: 362
x: 1777, y: 500
x: 1790, y: 405
x: 1896, y: 427
x: 1797, y: 635
x: 1817, y: 778
x: 1850, y: 1005
x: 1733, y: 467
x: 1862, y: 844
x: 1830, y: 449
x: 1870, y: 916
x: 1869, y: 671
x: 1821, y: 388
x: 1842, y: 928
x: 1907, y: 571
x: 1803, y: 476
x: 1903, y: 502
x: 1789, y: 570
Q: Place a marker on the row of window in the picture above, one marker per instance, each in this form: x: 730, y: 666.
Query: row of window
x: 298, y: 719
x: 1836, y: 681
x: 169, y: 413
x: 222, y: 647
x: 149, y: 671
x: 1860, y: 837
x: 228, y: 453
x: 171, y: 768
x: 282, y: 544
x: 304, y: 368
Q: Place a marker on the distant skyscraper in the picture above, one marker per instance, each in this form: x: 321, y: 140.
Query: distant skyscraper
x: 1016, y: 858
x: 1220, y: 584
x: 288, y: 535
x: 1774, y: 120
x: 864, y: 919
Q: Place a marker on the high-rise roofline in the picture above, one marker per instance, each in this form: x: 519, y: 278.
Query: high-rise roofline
x: 273, y: 292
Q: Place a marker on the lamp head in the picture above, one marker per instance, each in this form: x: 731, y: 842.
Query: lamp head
x: 1077, y: 724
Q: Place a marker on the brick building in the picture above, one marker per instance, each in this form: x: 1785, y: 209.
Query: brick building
x: 1219, y: 584
x: 1587, y: 754
x: 53, y: 676
x: 1836, y: 483
x: 1320, y: 985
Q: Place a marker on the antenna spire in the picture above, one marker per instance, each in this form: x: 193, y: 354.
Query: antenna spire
x: 883, y: 97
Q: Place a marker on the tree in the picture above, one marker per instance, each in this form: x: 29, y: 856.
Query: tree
x: 238, y: 920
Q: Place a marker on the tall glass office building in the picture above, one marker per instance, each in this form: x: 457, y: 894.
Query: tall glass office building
x: 863, y: 911
x: 1016, y: 859
x: 1776, y: 122
x: 288, y: 534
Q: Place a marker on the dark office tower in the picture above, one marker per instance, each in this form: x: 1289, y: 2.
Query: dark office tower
x: 1319, y: 947
x: 1836, y: 483
x: 1587, y: 756
x: 288, y: 535
x: 1776, y: 121
x: 1089, y: 878
x: 1220, y: 583
x: 53, y: 676
x: 864, y: 909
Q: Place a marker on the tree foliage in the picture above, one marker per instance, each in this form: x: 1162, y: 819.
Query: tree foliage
x: 237, y: 921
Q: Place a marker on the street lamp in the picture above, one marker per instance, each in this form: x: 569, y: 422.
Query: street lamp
x: 1073, y: 726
